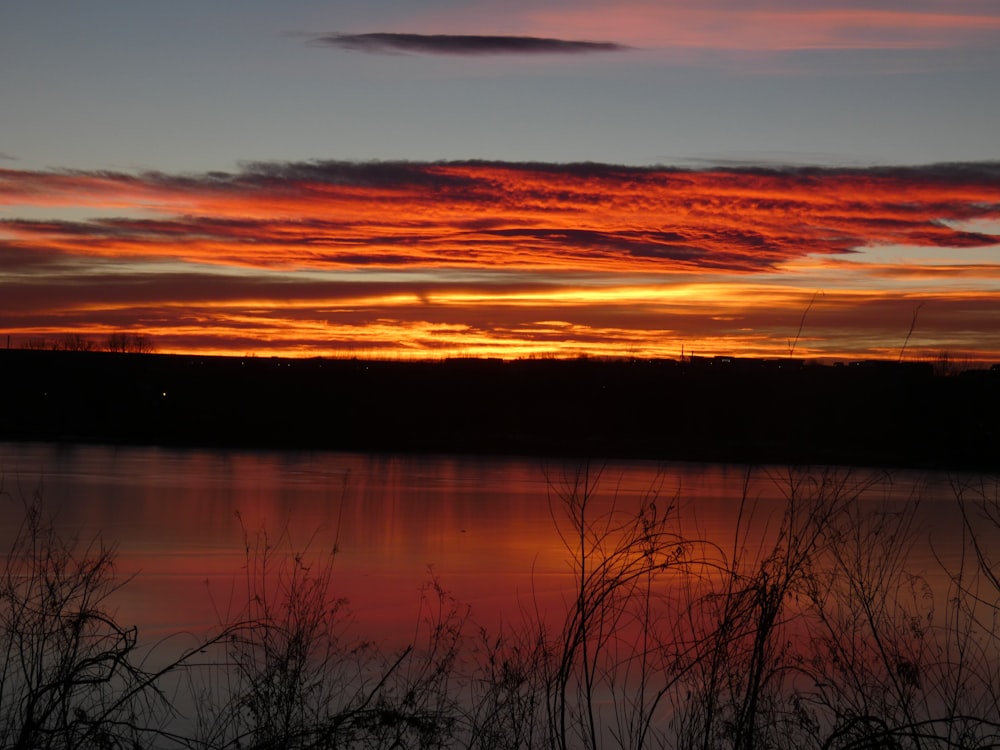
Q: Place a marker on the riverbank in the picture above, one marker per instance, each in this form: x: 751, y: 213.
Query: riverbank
x: 719, y: 409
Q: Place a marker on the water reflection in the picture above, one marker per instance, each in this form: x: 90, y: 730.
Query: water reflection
x: 182, y: 518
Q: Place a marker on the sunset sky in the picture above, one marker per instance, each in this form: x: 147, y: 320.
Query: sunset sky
x: 467, y: 178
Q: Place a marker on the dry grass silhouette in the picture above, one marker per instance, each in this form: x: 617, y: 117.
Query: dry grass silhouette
x: 812, y: 635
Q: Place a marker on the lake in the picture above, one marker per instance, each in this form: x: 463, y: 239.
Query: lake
x: 701, y: 596
x: 483, y: 526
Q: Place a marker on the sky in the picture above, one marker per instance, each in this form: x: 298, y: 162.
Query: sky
x: 441, y: 178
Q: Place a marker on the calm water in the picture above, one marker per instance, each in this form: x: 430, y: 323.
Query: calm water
x: 483, y: 526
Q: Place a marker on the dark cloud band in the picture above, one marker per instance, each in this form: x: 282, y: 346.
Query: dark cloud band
x: 462, y: 44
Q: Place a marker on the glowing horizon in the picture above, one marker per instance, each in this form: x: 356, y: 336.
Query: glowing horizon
x: 496, y: 259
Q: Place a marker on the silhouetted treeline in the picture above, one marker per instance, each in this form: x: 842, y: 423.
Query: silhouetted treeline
x: 121, y: 342
x: 873, y: 413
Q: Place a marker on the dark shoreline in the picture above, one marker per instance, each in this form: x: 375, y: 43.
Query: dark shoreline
x: 720, y: 409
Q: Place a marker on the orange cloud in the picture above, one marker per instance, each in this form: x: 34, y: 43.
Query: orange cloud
x: 498, y: 259
x: 581, y: 217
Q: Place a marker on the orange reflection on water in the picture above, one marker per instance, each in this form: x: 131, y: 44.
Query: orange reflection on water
x: 187, y: 523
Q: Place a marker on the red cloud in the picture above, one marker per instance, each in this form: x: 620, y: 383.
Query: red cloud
x: 498, y: 258
x: 484, y: 215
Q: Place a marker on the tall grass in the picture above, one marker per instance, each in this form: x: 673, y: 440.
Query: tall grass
x: 72, y: 675
x: 291, y: 673
x: 808, y: 632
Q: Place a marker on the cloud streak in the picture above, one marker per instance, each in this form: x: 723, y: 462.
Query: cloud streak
x: 462, y: 44
x: 585, y: 217
x: 780, y: 26
x: 506, y: 259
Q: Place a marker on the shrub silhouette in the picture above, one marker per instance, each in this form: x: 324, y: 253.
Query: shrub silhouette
x: 810, y: 634
x: 290, y: 674
x: 71, y: 675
